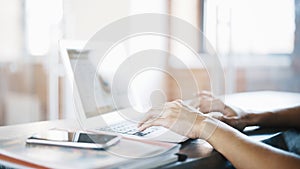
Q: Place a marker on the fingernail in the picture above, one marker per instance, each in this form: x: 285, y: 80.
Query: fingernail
x: 140, y: 128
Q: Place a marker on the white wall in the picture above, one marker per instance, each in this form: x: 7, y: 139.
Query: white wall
x: 83, y: 18
x: 10, y: 30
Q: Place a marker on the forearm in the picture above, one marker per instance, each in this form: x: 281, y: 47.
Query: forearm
x: 244, y: 153
x: 279, y: 118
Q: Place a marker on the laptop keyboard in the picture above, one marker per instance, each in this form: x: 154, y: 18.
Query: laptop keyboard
x: 128, y: 128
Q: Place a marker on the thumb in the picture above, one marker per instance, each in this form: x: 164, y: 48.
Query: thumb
x: 229, y: 120
x: 233, y: 121
x: 226, y: 119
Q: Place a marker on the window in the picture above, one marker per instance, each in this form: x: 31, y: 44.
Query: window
x: 251, y: 26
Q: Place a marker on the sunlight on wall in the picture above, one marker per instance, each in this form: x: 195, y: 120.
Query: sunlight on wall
x: 41, y: 19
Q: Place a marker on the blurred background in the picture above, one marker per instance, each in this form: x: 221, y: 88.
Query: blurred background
x: 257, y: 41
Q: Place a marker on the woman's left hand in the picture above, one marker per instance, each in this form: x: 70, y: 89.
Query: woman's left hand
x: 176, y: 116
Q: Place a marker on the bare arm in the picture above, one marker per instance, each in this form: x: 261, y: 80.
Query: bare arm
x: 239, y: 118
x: 288, y: 117
x: 241, y: 151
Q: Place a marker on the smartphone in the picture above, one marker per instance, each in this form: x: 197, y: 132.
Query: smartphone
x: 74, y: 139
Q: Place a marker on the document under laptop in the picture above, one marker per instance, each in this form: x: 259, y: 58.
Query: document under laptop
x: 94, y: 104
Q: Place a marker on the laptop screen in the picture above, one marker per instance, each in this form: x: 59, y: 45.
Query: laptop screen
x: 120, y: 79
x: 93, y: 87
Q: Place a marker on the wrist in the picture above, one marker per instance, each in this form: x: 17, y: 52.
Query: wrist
x: 252, y: 119
x: 207, y: 127
x: 260, y: 119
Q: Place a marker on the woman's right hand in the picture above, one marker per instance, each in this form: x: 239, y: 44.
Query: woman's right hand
x: 234, y: 117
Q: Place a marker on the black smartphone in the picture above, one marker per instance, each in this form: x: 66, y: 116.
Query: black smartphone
x: 74, y: 139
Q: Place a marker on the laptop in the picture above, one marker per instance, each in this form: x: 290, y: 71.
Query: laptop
x: 92, y: 96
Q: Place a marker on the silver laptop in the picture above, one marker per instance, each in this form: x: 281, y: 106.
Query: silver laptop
x: 94, y: 107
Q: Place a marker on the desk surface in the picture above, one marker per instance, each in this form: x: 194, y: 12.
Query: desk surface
x: 199, y: 153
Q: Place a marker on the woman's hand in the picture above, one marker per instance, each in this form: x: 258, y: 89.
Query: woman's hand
x: 176, y: 116
x: 235, y: 117
x: 206, y: 102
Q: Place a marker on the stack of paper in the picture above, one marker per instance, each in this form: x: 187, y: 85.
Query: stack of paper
x: 128, y: 153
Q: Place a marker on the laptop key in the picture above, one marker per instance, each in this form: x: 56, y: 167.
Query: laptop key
x: 139, y: 134
x: 127, y: 128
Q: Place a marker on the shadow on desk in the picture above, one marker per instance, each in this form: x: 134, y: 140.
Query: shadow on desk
x: 200, y: 154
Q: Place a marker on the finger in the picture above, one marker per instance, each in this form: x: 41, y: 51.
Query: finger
x: 194, y: 103
x: 202, y: 92
x: 178, y: 101
x: 175, y: 102
x: 232, y: 121
x: 189, y: 107
x: 150, y: 115
x: 156, y: 108
x: 146, y: 118
x: 205, y: 106
x: 204, y: 97
x: 172, y: 105
x: 235, y: 122
x: 156, y: 122
x: 205, y: 93
x: 216, y: 115
x: 169, y: 104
